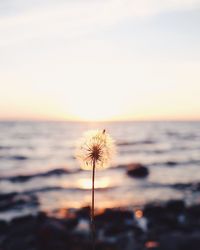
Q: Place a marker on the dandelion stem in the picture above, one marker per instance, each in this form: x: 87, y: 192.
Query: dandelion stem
x: 92, y: 212
x: 95, y: 150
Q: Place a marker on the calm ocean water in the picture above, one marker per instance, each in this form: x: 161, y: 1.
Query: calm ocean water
x: 35, y: 148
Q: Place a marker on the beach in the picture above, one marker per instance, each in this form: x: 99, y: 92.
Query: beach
x: 147, y: 199
x: 155, y: 226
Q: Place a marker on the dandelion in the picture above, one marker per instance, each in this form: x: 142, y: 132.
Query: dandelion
x: 95, y: 149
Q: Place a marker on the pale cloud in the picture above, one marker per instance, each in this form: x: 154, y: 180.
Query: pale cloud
x: 52, y: 48
x: 21, y: 20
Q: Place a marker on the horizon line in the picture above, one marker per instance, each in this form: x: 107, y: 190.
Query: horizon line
x: 98, y: 121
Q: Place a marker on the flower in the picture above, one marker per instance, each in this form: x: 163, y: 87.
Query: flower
x: 96, y: 147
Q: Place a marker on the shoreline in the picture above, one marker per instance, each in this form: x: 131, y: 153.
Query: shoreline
x: 154, y: 226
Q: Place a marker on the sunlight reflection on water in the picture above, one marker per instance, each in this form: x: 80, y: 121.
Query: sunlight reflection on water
x: 34, y: 148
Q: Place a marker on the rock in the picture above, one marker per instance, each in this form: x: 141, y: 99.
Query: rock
x: 106, y: 246
x: 84, y: 212
x: 71, y: 223
x: 23, y: 243
x: 166, y: 217
x: 41, y: 217
x: 175, y: 206
x: 20, y: 234
x: 192, y: 242
x: 53, y: 234
x: 3, y: 227
x: 170, y: 241
x: 194, y: 212
x: 113, y: 215
x: 22, y: 226
x: 52, y: 228
x: 114, y: 222
x: 137, y: 170
x: 153, y: 210
x: 178, y: 241
x: 116, y: 229
x: 22, y: 220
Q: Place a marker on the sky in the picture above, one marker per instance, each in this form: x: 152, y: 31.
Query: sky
x: 100, y: 59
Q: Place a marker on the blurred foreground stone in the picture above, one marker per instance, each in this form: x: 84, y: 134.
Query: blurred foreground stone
x: 170, y: 226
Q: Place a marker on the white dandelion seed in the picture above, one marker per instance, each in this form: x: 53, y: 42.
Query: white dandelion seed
x: 97, y: 147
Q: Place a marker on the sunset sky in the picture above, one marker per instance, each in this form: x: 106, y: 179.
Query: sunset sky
x: 100, y: 59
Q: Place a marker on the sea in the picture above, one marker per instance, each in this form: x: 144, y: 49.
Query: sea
x: 37, y: 159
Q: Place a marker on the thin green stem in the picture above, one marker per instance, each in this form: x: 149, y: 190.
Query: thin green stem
x: 92, y: 211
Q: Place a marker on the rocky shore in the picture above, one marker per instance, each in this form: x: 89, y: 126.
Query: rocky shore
x: 168, y: 226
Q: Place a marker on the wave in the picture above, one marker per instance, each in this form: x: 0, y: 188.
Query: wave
x: 15, y: 157
x: 54, y: 172
x: 69, y: 189
x: 129, y: 143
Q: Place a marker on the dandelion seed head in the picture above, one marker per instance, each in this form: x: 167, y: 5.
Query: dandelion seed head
x: 95, y: 146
